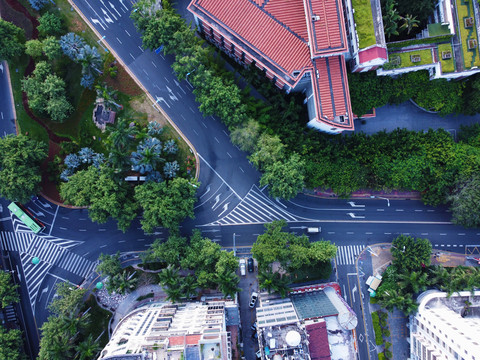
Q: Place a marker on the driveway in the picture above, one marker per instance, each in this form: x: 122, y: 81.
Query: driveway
x: 409, y: 116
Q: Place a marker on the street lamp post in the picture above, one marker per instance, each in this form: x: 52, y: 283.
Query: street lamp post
x: 380, y: 197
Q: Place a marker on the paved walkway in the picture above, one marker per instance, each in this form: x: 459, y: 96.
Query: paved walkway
x: 408, y: 116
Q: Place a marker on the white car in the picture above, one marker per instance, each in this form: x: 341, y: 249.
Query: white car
x: 253, y: 300
x: 242, y: 267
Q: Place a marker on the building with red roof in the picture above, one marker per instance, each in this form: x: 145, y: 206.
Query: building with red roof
x: 299, y: 44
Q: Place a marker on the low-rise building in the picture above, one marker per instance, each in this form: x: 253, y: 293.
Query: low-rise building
x: 446, y: 327
x: 189, y: 331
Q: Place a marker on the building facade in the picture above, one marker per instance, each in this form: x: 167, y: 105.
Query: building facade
x: 446, y: 327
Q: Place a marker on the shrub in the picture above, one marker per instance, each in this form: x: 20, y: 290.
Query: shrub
x: 381, y: 356
x: 386, y: 332
x: 377, y: 329
x: 388, y: 354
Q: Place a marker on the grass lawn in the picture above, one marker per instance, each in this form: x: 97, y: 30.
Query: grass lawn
x: 448, y: 65
x: 465, y: 10
x: 405, y: 60
x: 99, y: 319
x: 364, y: 20
x: 437, y: 29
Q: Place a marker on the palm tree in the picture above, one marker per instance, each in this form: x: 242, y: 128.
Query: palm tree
x: 71, y: 45
x: 119, y: 160
x: 439, y: 277
x: 125, y: 282
x: 415, y: 281
x: 409, y: 22
x: 266, y: 280
x: 173, y: 294
x: 390, y: 19
x: 148, y: 155
x: 169, y: 277
x: 90, y: 60
x: 189, y: 286
x: 108, y: 95
x: 87, y: 349
x: 122, y: 135
x: 228, y: 283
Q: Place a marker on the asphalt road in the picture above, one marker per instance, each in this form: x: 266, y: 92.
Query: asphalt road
x: 231, y: 209
x: 7, y: 118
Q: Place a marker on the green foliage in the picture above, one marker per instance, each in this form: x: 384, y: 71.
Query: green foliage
x: 269, y: 150
x: 105, y: 196
x: 169, y: 252
x: 109, y: 264
x: 50, y: 24
x: 410, y: 254
x: 46, y: 93
x: 246, y: 136
x: 441, y: 95
x: 51, y: 48
x: 20, y: 159
x: 68, y: 301
x: 381, y: 356
x: 8, y: 291
x: 466, y: 202
x: 377, y: 329
x: 285, y: 179
x: 166, y: 204
x: 410, y: 42
x: 34, y: 48
x: 12, y: 39
x: 11, y: 344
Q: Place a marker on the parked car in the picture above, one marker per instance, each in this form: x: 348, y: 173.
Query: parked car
x: 253, y: 300
x: 314, y: 230
x: 242, y: 267
x: 250, y: 265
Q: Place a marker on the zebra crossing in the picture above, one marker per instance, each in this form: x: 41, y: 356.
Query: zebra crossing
x: 34, y: 275
x: 256, y: 208
x: 10, y: 314
x: 346, y: 255
x: 51, y: 251
x: 76, y: 264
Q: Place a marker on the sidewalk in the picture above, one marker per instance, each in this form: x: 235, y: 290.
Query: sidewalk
x: 374, y: 260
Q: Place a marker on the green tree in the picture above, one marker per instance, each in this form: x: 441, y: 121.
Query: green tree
x: 169, y: 277
x: 269, y: 151
x: 12, y: 39
x: 50, y: 24
x: 228, y: 283
x: 271, y: 246
x: 390, y: 19
x: 409, y: 22
x: 122, y: 283
x: 105, y: 196
x: 109, y: 265
x: 465, y: 202
x: 285, y: 178
x: 8, y: 291
x: 68, y: 300
x: 109, y: 96
x: 410, y: 254
x: 166, y: 204
x: 51, y: 48
x: 189, y: 286
x: 246, y: 137
x: 170, y: 251
x: 11, y: 344
x: 122, y: 134
x: 34, y: 48
x: 88, y: 348
x: 413, y: 282
x: 20, y: 159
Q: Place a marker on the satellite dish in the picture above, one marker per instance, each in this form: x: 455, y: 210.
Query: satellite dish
x: 293, y: 338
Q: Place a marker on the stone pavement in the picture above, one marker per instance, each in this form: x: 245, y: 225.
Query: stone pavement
x: 374, y: 260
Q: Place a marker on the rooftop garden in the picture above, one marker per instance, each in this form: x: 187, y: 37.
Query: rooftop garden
x: 445, y: 54
x: 468, y: 33
x: 410, y: 58
x: 364, y: 20
x: 438, y: 29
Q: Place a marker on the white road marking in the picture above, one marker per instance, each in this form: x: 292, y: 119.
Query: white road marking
x: 204, y: 124
x: 443, y: 234
x: 168, y: 81
x: 145, y: 71
x: 216, y: 173
x: 419, y: 210
x: 193, y: 111
x: 103, y: 246
x: 119, y: 40
x: 461, y: 234
x: 229, y: 155
x: 133, y: 57
x: 241, y: 169
x: 398, y: 209
x: 380, y: 209
x: 225, y: 132
x: 154, y: 64
x: 102, y: 229
x: 350, y: 232
x: 195, y: 132
x: 62, y: 228
x: 216, y: 139
x: 127, y: 32
x: 82, y: 229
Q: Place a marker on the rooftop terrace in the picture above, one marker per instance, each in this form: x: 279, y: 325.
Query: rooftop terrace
x: 467, y: 24
x: 313, y: 304
x: 364, y: 21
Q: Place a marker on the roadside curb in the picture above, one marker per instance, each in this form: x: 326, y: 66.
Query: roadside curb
x: 119, y: 59
x: 364, y: 196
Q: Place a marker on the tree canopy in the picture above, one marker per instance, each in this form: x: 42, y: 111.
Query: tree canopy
x: 11, y: 344
x: 466, y: 202
x: 20, y: 159
x: 166, y: 204
x: 8, y: 291
x: 12, y: 39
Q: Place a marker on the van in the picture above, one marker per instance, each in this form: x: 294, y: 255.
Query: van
x: 314, y: 230
x: 242, y: 267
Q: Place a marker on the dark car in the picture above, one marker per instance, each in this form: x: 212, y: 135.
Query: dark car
x: 250, y: 265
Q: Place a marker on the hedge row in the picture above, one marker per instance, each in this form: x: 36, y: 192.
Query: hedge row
x: 377, y: 328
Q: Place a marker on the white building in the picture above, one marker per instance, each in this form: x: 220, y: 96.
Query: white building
x: 190, y: 331
x: 446, y: 327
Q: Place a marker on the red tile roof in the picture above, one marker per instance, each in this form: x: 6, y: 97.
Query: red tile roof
x: 325, y: 26
x: 373, y: 53
x: 179, y: 340
x: 291, y: 13
x: 318, y: 341
x: 243, y: 19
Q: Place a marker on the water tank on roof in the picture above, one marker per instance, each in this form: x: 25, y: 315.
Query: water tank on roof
x: 293, y: 338
x: 277, y: 357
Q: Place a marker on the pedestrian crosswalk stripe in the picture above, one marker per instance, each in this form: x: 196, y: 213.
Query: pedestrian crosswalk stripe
x: 11, y: 241
x: 256, y: 208
x: 33, y: 275
x: 346, y: 255
x: 76, y: 264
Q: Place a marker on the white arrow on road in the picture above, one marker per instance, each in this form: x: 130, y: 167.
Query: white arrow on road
x: 45, y: 205
x: 217, y: 199
x: 353, y: 292
x: 213, y: 230
x: 355, y: 216
x: 1, y: 67
x: 96, y: 21
x: 178, y: 84
x: 206, y: 192
x: 121, y: 2
x: 107, y: 18
x: 5, y: 219
x: 18, y: 274
x: 43, y: 292
x: 352, y: 204
x: 159, y: 98
x: 39, y: 213
x: 113, y: 7
x: 171, y: 94
x: 225, y: 208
